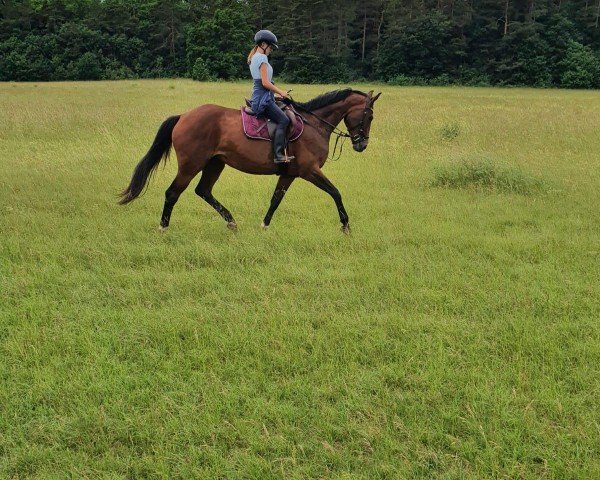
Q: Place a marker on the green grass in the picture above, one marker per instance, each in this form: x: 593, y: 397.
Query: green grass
x: 453, y: 335
x: 486, y: 175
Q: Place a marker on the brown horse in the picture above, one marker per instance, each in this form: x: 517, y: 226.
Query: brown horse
x: 210, y: 137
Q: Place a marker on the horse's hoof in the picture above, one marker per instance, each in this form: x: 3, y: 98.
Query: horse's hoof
x: 346, y: 229
x: 232, y: 226
x: 263, y: 226
x: 162, y: 229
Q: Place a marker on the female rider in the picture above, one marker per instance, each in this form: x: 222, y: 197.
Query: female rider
x: 263, y: 100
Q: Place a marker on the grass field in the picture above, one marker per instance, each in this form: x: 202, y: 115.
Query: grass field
x: 455, y: 334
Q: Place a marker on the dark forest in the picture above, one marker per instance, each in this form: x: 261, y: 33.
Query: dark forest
x: 550, y: 43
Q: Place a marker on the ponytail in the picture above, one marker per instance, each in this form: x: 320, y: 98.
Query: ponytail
x: 252, y: 52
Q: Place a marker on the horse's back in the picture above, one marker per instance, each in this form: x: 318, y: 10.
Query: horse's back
x: 198, y: 131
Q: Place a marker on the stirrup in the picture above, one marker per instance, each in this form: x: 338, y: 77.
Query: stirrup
x: 288, y: 158
x: 285, y: 159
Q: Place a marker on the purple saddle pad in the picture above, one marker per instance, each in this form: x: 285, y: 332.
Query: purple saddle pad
x: 256, y: 127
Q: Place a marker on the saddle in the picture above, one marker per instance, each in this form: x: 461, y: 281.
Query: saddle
x: 261, y: 128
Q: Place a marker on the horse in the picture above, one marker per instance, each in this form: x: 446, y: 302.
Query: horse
x: 210, y: 136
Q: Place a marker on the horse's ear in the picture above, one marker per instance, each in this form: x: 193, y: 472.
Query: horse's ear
x: 370, y: 94
x: 375, y: 97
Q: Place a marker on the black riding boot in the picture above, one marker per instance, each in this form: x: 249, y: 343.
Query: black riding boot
x: 279, y: 144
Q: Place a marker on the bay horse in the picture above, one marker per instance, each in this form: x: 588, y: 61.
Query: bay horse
x: 211, y: 136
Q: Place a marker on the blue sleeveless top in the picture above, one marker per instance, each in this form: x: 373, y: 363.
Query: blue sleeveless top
x: 260, y: 95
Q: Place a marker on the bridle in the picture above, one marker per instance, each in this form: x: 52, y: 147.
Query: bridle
x: 360, y: 136
x: 355, y: 139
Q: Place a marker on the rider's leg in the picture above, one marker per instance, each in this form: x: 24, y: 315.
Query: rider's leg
x: 279, y: 138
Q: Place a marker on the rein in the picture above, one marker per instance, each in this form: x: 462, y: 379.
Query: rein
x: 356, y: 138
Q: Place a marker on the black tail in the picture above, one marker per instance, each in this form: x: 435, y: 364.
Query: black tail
x: 143, y: 171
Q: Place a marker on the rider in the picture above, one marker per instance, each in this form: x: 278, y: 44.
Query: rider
x: 263, y: 100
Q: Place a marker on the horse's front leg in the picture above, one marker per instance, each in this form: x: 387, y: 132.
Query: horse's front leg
x: 282, y: 185
x: 317, y: 178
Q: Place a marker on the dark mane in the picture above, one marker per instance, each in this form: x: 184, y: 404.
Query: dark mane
x: 327, y: 99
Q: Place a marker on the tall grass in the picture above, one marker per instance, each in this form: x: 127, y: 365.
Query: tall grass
x: 486, y: 174
x: 453, y: 335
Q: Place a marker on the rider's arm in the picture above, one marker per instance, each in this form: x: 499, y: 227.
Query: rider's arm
x: 264, y: 76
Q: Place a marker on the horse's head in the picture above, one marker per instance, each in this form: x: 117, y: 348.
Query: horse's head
x: 358, y: 120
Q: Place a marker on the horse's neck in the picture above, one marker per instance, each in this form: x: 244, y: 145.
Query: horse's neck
x: 334, y: 113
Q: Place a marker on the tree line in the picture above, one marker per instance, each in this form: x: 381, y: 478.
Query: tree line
x: 540, y: 43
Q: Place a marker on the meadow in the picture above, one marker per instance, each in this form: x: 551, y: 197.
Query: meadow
x: 454, y: 334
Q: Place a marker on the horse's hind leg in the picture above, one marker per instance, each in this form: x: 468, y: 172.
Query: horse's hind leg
x: 210, y: 175
x: 182, y: 180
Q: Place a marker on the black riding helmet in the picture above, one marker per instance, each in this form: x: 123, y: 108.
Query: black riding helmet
x: 266, y: 36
